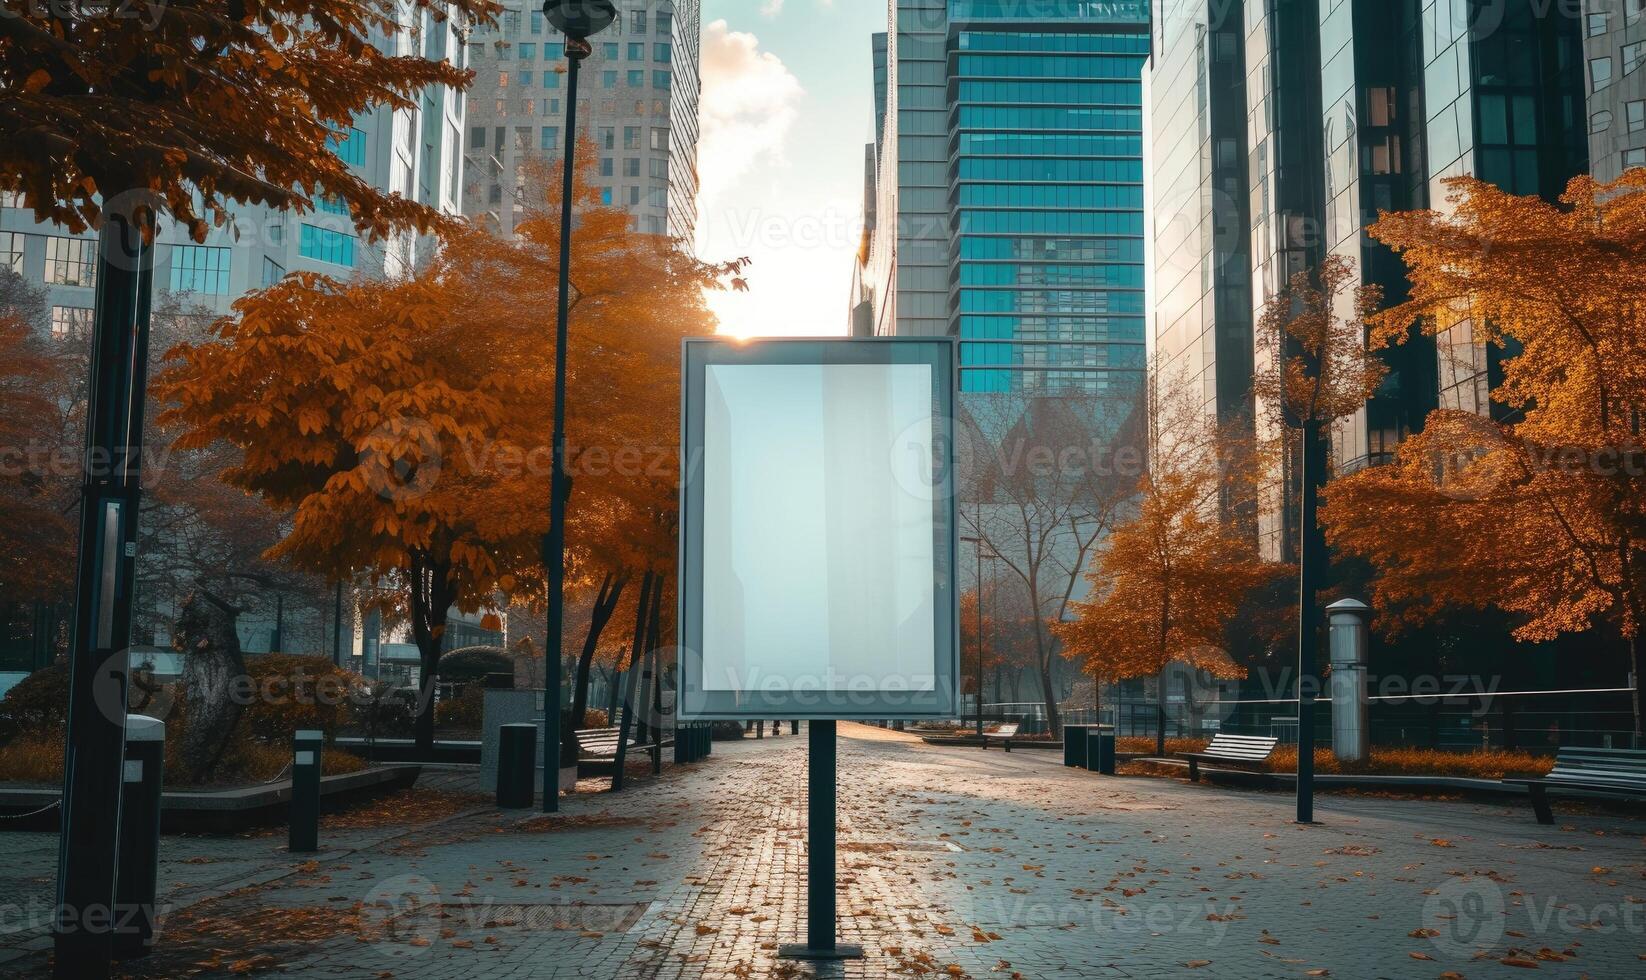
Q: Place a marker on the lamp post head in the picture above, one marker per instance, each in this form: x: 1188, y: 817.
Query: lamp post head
x: 578, y: 19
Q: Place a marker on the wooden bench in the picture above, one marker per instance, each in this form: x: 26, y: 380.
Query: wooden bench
x: 1613, y: 772
x: 1238, y: 750
x: 1004, y: 735
x: 600, y: 744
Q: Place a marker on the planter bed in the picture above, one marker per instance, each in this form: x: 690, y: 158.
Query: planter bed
x: 223, y: 811
x: 405, y: 750
x: 972, y: 739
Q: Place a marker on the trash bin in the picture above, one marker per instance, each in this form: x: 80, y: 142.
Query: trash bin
x: 1100, y: 749
x: 1074, y: 745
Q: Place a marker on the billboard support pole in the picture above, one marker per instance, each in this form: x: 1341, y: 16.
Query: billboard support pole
x: 821, y: 885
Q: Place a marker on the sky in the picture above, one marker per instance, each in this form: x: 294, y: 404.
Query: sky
x: 787, y: 105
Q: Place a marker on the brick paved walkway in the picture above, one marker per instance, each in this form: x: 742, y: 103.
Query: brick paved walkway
x: 954, y: 862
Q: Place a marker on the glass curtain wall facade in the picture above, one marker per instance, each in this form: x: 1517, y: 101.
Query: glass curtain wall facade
x: 1285, y: 147
x: 1046, y: 279
x: 1199, y: 209
x: 1504, y: 95
x: 1372, y: 84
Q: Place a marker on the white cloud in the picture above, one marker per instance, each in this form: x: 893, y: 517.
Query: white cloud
x: 750, y: 102
x: 771, y: 8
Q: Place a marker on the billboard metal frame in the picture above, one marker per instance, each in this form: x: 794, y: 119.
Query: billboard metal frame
x: 695, y: 703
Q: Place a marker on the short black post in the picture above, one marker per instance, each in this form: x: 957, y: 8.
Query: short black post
x: 303, y: 836
x: 820, y: 865
x: 516, y: 765
x: 794, y: 726
x: 1074, y: 746
x: 139, y: 861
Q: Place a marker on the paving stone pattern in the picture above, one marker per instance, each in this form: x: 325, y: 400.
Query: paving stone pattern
x: 954, y: 862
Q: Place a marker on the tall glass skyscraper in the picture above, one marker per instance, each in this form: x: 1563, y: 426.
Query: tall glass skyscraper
x: 1010, y: 208
x: 1046, y: 194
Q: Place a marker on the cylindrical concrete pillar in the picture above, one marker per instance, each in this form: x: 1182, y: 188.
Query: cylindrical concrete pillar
x: 1351, y: 728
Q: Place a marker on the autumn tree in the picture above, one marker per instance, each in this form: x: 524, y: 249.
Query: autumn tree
x: 1540, y: 511
x: 36, y: 482
x: 1043, y: 476
x: 403, y: 424
x: 1168, y: 580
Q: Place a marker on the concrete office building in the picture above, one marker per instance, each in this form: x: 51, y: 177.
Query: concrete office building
x: 1614, y: 42
x: 637, y: 104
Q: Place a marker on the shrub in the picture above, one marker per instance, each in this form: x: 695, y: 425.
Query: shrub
x: 595, y: 718
x: 295, y: 692
x: 470, y: 665
x: 384, y: 709
x: 38, y: 704
x: 464, y: 711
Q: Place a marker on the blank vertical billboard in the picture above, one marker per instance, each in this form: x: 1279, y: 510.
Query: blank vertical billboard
x: 817, y: 538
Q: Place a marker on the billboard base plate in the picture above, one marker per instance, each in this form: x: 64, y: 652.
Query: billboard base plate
x: 802, y: 951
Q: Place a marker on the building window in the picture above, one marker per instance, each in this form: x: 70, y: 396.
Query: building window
x: 350, y: 147
x: 608, y: 79
x: 326, y: 245
x: 1600, y: 121
x: 71, y: 262
x: 637, y: 77
x: 554, y: 50
x: 634, y: 196
x: 660, y: 139
x: 606, y: 196
x: 477, y: 138
x: 70, y: 322
x: 550, y: 138
x: 665, y: 22
x: 660, y: 79
x: 1598, y: 24
x: 551, y: 79
x: 605, y: 166
x: 273, y: 271
x: 1637, y: 115
x: 637, y: 22
x: 1600, y: 73
x: 1634, y: 55
x: 608, y: 138
x: 631, y: 137
x: 631, y: 166
x: 1634, y: 158
x: 537, y: 22
x: 662, y: 51
x: 200, y: 269
x: 637, y: 51
x: 528, y: 51
x: 11, y: 251
x: 609, y: 50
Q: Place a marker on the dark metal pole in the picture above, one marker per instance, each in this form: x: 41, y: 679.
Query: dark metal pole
x: 1311, y: 565
x: 980, y: 620
x: 554, y: 543
x: 105, y: 574
x: 820, y: 852
x: 337, y: 626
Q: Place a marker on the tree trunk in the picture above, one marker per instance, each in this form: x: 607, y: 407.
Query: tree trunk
x: 431, y: 599
x: 605, y: 603
x: 654, y: 640
x: 642, y: 609
x: 1160, y: 714
x: 212, y: 666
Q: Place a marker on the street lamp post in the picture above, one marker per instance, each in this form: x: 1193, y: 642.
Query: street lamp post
x: 577, y: 20
x: 977, y: 543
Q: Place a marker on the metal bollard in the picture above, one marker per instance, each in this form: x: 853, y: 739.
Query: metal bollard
x: 139, y: 860
x: 1351, y: 730
x: 516, y: 765
x: 303, y: 834
x: 1074, y: 745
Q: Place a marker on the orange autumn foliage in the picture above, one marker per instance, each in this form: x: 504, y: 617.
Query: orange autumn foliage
x: 1540, y: 512
x: 189, y: 108
x: 406, y: 425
